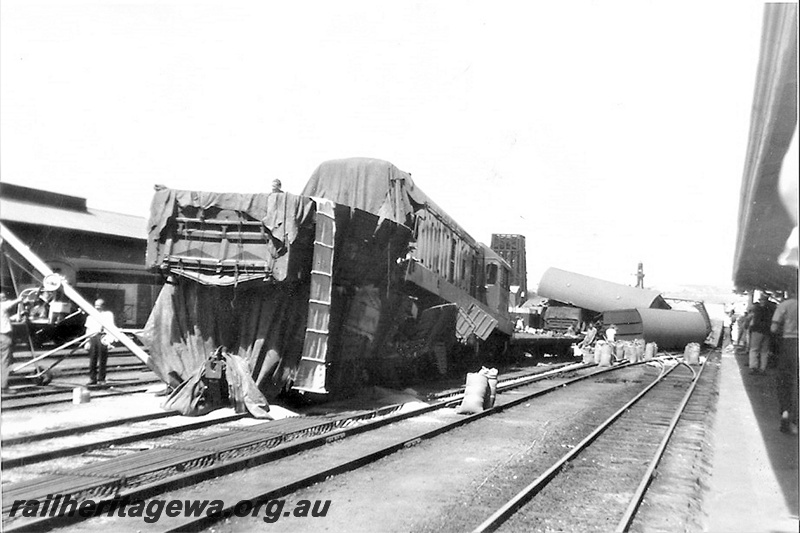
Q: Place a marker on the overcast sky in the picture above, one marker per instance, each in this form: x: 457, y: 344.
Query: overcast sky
x: 607, y: 133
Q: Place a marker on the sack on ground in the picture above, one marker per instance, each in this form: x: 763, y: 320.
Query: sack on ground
x: 475, y: 392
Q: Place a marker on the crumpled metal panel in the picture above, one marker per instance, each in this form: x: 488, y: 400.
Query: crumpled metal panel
x: 474, y: 321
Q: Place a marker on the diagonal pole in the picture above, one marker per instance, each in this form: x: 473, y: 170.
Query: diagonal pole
x: 8, y: 237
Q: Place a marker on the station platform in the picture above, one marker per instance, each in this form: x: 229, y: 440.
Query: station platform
x: 753, y: 485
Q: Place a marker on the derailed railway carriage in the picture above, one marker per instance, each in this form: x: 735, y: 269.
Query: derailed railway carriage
x: 359, y: 280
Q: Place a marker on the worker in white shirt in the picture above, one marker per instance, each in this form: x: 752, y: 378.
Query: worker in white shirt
x: 98, y: 350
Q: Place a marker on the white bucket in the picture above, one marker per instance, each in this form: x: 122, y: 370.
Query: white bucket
x: 619, y: 350
x: 596, y: 351
x: 650, y: 350
x: 631, y: 353
x: 606, y: 354
x: 81, y: 395
x: 639, y: 345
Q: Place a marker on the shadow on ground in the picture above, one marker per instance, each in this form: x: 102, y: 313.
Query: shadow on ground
x: 782, y: 448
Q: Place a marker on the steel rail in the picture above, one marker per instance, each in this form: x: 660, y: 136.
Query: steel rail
x: 117, y: 371
x: 523, y: 496
x: 113, y: 390
x: 287, y: 449
x: 11, y: 441
x: 513, y: 382
x: 24, y: 460
x: 196, y: 524
x: 69, y: 372
x: 453, y: 395
x: 73, y: 450
x: 76, y: 371
x: 76, y: 340
x: 66, y: 432
x: 648, y: 476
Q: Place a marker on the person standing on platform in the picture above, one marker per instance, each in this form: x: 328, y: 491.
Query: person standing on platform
x: 98, y: 351
x: 6, y: 338
x: 784, y: 324
x: 760, y: 323
x: 727, y: 328
x: 741, y: 329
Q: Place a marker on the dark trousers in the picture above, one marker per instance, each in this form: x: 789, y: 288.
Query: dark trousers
x: 787, y: 378
x: 98, y: 357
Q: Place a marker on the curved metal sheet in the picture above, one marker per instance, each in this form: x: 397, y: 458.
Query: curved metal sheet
x: 596, y: 294
x: 668, y: 328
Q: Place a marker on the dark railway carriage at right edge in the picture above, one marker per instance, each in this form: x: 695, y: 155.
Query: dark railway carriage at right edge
x: 360, y: 280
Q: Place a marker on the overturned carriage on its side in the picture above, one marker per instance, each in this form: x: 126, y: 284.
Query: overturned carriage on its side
x: 323, y: 292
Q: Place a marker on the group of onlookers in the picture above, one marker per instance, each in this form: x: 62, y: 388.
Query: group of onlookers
x: 760, y: 343
x: 769, y: 331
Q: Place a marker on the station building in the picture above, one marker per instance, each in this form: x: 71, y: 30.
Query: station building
x: 100, y: 253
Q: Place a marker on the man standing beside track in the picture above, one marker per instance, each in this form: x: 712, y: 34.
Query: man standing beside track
x: 784, y: 323
x: 98, y: 351
x: 760, y: 321
x: 6, y: 338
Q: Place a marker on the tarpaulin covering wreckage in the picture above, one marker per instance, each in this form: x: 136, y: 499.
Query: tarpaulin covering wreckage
x: 447, y: 262
x: 280, y: 280
x: 312, y: 293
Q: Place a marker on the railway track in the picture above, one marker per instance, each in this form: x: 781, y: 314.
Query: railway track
x: 61, y: 364
x: 144, y: 475
x: 29, y: 449
x: 82, y: 372
x: 136, y: 430
x: 120, y: 384
x: 609, y: 471
x: 125, y: 375
x: 50, y: 444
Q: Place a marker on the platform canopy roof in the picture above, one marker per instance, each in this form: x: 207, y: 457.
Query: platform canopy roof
x: 765, y: 224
